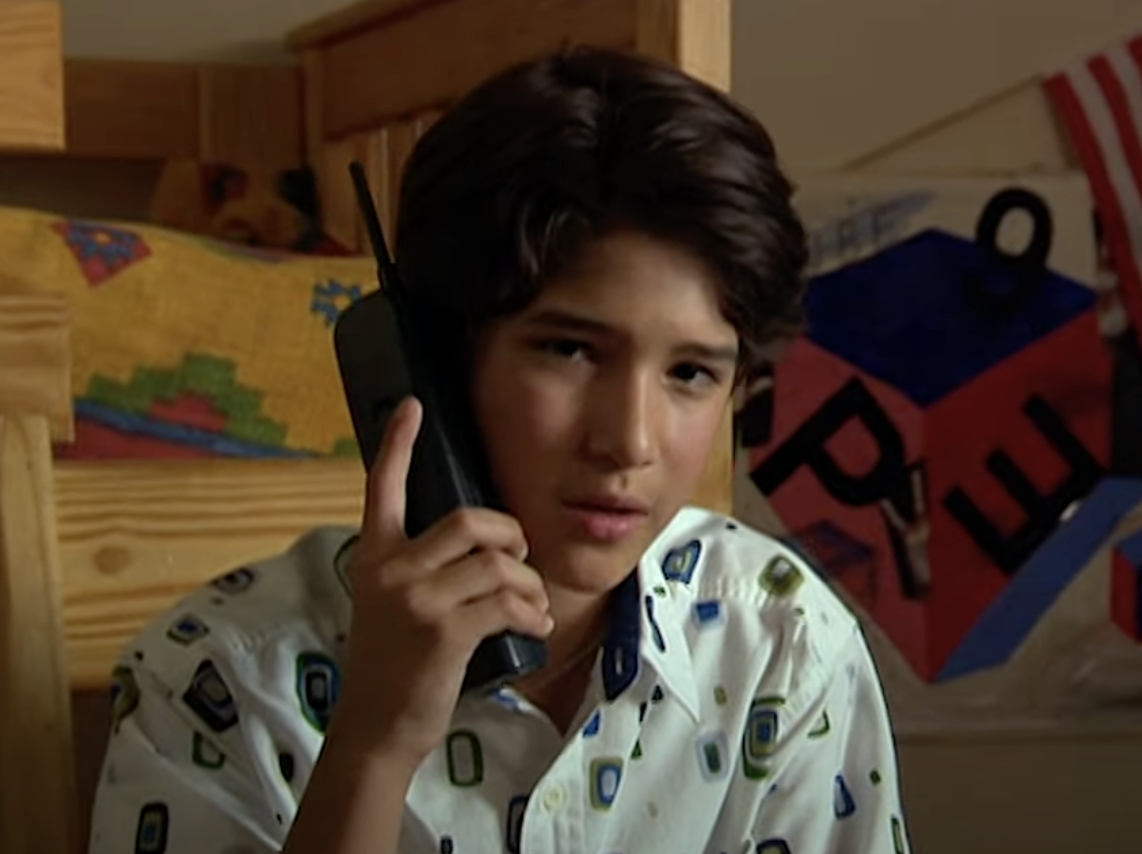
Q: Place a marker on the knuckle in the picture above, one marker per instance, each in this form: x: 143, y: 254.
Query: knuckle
x: 500, y: 566
x: 465, y: 522
x: 514, y: 526
x: 419, y: 603
x: 510, y: 604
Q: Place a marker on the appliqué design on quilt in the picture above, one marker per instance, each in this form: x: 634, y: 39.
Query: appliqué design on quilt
x: 198, y: 403
x: 346, y: 446
x: 331, y: 298
x: 101, y: 250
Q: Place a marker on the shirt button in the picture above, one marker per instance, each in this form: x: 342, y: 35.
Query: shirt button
x: 554, y: 798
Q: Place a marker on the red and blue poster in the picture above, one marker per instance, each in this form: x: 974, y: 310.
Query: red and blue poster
x: 940, y: 441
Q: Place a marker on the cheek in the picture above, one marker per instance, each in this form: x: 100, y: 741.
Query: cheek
x: 525, y: 418
x: 691, y: 440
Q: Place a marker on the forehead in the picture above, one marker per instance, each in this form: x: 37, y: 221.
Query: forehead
x: 634, y: 282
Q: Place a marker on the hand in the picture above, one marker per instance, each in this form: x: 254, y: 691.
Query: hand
x: 421, y: 606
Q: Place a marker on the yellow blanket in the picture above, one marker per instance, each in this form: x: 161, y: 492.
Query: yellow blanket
x: 188, y: 347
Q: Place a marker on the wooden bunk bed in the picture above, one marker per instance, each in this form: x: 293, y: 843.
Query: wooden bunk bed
x: 91, y: 549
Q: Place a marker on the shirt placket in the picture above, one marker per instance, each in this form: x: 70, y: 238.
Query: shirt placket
x: 555, y: 817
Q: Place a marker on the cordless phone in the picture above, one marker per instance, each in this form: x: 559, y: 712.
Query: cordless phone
x: 388, y: 348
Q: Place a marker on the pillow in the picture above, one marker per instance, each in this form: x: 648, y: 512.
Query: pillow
x: 187, y: 347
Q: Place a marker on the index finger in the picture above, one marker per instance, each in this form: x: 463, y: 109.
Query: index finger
x: 386, y: 487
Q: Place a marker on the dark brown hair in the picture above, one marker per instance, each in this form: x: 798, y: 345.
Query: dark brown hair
x: 503, y: 191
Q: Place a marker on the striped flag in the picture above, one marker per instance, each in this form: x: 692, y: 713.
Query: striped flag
x: 1100, y: 102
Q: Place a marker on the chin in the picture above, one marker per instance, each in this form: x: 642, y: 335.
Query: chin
x: 591, y: 568
x: 587, y: 574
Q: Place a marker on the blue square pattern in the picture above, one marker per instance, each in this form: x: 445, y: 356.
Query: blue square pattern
x: 911, y: 316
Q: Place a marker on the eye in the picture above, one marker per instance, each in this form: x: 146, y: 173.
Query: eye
x: 693, y: 374
x: 566, y: 348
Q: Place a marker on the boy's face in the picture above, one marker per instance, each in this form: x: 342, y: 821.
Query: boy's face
x: 600, y: 403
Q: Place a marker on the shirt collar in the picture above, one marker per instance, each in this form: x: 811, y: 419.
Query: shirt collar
x: 648, y: 613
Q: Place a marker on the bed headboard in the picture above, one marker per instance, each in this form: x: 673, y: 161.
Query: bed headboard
x: 361, y: 102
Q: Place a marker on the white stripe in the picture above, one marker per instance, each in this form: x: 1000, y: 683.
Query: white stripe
x: 1122, y: 180
x: 1126, y: 67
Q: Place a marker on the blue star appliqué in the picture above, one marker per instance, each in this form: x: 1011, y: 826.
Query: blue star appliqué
x: 332, y: 298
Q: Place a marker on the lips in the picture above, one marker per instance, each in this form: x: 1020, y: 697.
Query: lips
x: 609, y: 502
x: 607, y: 517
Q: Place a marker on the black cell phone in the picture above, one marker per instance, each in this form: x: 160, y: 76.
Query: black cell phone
x: 388, y: 348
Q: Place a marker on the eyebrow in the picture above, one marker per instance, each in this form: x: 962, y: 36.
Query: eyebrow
x: 571, y: 322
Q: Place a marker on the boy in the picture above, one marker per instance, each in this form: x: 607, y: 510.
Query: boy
x: 611, y: 247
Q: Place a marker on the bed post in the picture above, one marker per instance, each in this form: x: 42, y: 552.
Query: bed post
x: 38, y: 807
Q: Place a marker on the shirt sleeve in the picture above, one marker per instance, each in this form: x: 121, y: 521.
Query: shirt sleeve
x: 839, y: 792
x: 168, y: 786
x: 213, y: 738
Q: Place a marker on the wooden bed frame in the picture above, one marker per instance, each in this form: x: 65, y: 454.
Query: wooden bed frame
x: 89, y: 551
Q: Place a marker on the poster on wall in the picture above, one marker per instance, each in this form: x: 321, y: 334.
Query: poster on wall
x: 940, y: 443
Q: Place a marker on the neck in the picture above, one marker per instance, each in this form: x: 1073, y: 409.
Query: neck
x: 580, y: 619
x: 580, y: 624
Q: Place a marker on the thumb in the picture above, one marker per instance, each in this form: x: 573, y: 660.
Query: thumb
x: 386, y: 488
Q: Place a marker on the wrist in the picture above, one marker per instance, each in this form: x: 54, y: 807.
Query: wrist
x: 366, y: 743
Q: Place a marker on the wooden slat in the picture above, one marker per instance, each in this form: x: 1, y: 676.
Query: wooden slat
x: 383, y: 153
x: 35, y: 358
x: 31, y: 79
x: 695, y: 35
x: 350, y: 20
x: 339, y: 207
x: 38, y: 807
x: 131, y: 109
x: 400, y: 138
x: 135, y: 536
x: 467, y: 41
x: 313, y: 104
x: 372, y: 150
x: 251, y: 117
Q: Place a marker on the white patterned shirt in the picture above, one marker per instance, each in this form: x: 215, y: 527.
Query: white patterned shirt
x: 733, y: 708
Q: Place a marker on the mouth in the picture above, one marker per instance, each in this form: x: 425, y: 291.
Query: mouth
x: 607, y: 517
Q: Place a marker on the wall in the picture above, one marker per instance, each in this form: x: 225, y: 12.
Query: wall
x: 838, y: 83
x: 949, y: 88
x: 176, y: 30
x: 903, y: 64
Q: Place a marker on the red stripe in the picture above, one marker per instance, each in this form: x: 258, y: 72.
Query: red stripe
x: 1134, y: 51
x: 1125, y: 122
x: 1134, y: 48
x: 1126, y: 126
x: 1062, y: 93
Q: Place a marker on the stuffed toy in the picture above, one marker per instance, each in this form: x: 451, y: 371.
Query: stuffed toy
x: 238, y: 206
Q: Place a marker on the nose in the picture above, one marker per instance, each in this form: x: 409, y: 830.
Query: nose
x: 623, y: 423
